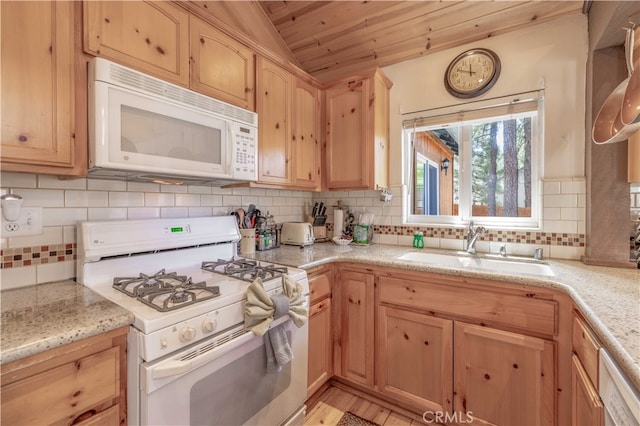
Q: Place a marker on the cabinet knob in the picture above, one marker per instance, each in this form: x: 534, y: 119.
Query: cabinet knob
x: 22, y: 138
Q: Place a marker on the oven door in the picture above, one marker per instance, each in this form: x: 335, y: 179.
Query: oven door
x: 216, y: 383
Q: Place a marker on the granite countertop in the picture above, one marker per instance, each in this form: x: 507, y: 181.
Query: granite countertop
x: 609, y: 298
x: 44, y: 316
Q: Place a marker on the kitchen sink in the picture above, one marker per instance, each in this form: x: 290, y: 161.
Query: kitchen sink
x: 480, y: 262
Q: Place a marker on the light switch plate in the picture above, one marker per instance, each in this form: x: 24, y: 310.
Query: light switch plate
x: 29, y: 223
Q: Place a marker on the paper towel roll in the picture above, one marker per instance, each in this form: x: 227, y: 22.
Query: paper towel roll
x: 338, y: 222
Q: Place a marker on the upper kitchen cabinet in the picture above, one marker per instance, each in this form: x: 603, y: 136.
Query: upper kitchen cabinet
x: 150, y: 36
x: 288, y: 110
x: 221, y: 67
x: 357, y: 132
x: 38, y: 89
x: 273, y: 101
x: 306, y: 149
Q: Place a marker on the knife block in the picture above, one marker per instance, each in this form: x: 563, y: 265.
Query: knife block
x: 320, y: 233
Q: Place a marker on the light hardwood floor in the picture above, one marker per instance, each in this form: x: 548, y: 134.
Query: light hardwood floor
x: 334, y: 402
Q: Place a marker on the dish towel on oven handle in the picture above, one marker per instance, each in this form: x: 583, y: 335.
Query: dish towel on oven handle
x: 261, y: 310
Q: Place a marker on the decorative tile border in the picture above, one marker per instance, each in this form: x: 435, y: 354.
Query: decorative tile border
x: 521, y: 237
x: 38, y: 255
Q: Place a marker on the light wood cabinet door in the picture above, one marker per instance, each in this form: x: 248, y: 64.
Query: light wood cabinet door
x: 305, y: 136
x: 320, y: 349
x: 414, y: 358
x: 38, y: 87
x: 347, y: 151
x: 150, y: 36
x: 273, y: 102
x: 503, y: 378
x: 221, y: 67
x: 586, y: 406
x: 320, y: 361
x: 80, y: 383
x: 357, y: 133
x: 356, y: 295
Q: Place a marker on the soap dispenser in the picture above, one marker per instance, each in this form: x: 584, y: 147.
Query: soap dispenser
x: 418, y: 240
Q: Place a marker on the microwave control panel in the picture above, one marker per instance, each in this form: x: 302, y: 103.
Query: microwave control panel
x: 245, y: 152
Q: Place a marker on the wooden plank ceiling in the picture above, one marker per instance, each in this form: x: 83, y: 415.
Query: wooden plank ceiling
x: 331, y: 39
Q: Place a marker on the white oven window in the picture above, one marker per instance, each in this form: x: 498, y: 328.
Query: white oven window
x: 225, y: 386
x: 237, y: 392
x: 147, y: 132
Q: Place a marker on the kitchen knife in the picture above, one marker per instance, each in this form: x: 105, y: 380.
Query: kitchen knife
x: 323, y: 210
x: 315, y: 210
x: 320, y: 208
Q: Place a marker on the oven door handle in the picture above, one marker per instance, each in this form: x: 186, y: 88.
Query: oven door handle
x: 171, y: 368
x: 176, y: 367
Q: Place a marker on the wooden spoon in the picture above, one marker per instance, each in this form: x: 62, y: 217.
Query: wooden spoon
x: 240, y: 213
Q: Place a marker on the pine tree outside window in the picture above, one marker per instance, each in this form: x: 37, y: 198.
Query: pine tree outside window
x: 494, y: 170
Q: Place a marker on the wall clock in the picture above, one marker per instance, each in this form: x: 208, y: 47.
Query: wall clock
x: 472, y: 73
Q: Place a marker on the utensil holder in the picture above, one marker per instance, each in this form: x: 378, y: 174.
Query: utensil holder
x: 247, y: 241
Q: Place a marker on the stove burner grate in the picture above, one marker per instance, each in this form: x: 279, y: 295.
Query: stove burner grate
x: 244, y: 269
x: 165, y: 291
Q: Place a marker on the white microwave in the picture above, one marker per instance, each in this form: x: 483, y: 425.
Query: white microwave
x: 144, y: 129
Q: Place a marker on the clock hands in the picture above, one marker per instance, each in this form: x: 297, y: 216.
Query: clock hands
x: 470, y: 70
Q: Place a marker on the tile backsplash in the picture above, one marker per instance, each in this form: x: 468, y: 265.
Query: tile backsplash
x: 50, y: 256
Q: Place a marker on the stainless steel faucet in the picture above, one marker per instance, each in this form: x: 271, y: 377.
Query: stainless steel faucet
x: 472, y: 237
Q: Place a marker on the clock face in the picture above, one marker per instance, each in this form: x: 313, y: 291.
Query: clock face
x: 472, y: 73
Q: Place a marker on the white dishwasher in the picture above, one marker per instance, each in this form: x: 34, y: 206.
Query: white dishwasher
x: 621, y: 401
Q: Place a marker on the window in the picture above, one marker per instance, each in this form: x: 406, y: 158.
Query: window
x: 478, y: 165
x: 427, y: 186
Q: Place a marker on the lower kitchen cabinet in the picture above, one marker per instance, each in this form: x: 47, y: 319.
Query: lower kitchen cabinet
x: 320, y: 365
x: 586, y: 406
x: 414, y: 358
x: 503, y: 378
x: 81, y: 383
x: 354, y: 327
x: 471, y: 349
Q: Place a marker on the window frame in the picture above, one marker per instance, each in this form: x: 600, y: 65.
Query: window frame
x: 488, y: 107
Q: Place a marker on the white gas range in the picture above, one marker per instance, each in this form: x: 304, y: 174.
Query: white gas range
x: 186, y: 287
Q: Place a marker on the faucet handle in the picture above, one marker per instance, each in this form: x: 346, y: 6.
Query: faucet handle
x: 537, y: 255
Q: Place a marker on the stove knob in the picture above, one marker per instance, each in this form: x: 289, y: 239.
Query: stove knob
x: 209, y: 325
x: 187, y: 333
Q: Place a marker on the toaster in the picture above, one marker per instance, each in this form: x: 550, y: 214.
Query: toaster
x: 297, y: 234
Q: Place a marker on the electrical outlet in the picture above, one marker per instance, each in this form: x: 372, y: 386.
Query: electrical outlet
x: 29, y: 223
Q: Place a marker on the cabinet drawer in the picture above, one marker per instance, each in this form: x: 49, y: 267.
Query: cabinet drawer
x: 319, y: 287
x: 110, y: 416
x: 586, y: 347
x: 66, y: 391
x: 512, y: 311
